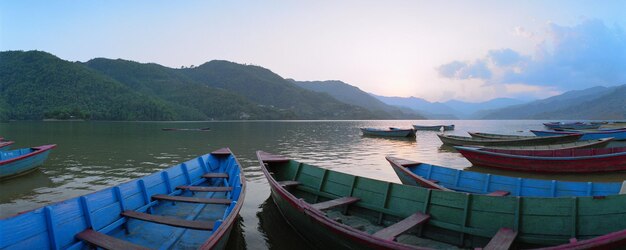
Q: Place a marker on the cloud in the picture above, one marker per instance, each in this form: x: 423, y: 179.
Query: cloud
x: 588, y: 54
x: 465, y: 70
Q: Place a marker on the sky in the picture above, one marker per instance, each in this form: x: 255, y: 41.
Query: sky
x: 436, y: 50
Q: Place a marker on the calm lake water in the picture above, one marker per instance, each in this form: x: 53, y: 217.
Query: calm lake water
x: 94, y: 155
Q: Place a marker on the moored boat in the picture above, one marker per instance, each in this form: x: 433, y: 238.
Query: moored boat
x: 599, y: 143
x: 617, y: 134
x: 434, y: 127
x: 337, y: 210
x: 186, y: 129
x: 464, y: 141
x: 194, y: 204
x: 21, y: 161
x: 5, y: 145
x: 556, y: 161
x: 498, y: 136
x: 573, y: 125
x: 443, y: 178
x: 395, y: 132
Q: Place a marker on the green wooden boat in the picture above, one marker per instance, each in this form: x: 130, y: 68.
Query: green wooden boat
x: 337, y: 210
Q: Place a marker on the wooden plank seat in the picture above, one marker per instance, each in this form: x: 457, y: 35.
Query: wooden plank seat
x: 623, y: 189
x: 215, y: 175
x: 502, y: 240
x: 104, y: 241
x: 335, y: 203
x: 205, y: 189
x: 499, y: 193
x: 191, y: 199
x: 289, y: 183
x: 171, y: 221
x: 391, y: 232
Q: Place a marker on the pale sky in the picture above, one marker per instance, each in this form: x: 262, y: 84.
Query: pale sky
x: 437, y: 50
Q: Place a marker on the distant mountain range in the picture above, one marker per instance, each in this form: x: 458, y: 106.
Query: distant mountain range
x: 596, y: 103
x: 452, y: 109
x: 36, y: 85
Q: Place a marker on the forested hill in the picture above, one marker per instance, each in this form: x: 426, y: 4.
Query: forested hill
x: 37, y: 85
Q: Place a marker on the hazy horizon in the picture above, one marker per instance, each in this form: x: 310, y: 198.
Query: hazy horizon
x: 468, y: 51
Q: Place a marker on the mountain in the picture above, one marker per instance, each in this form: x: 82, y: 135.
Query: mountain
x: 264, y: 87
x: 432, y: 110
x: 470, y: 109
x: 37, y: 85
x: 352, y: 95
x: 178, y: 89
x: 577, y: 104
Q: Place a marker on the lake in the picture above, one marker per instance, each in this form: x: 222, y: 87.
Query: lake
x: 94, y: 155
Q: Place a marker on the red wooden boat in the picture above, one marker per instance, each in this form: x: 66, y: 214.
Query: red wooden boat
x: 556, y: 161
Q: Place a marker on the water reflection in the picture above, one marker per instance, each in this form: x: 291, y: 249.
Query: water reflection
x: 276, y: 230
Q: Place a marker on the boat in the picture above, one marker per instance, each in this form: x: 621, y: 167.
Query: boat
x: 555, y: 161
x: 498, y: 136
x: 186, y: 129
x: 573, y: 125
x: 388, y: 132
x: 21, y: 161
x: 194, y: 204
x: 334, y: 210
x: 443, y: 178
x: 435, y: 127
x: 464, y: 141
x: 5, y: 145
x: 599, y: 143
x: 617, y: 134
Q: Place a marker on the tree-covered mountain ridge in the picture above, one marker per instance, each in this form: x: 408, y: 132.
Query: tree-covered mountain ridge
x: 36, y: 85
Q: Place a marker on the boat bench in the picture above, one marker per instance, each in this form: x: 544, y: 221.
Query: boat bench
x: 215, y: 175
x: 288, y: 183
x: 191, y: 199
x: 171, y: 221
x: 335, y: 203
x: 499, y: 193
x: 391, y: 232
x: 623, y: 189
x: 502, y: 240
x: 205, y: 189
x: 105, y: 241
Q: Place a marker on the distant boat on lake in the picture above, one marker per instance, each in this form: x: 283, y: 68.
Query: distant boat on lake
x: 443, y: 178
x: 194, y: 204
x: 532, y: 141
x: 392, y: 132
x: 434, y: 127
x: 554, y: 161
x: 21, y: 161
x: 617, y: 134
x: 186, y: 129
x: 5, y: 145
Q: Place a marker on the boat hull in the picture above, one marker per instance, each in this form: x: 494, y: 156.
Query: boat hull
x: 618, y: 135
x: 5, y: 145
x: 388, y: 133
x: 606, y: 163
x: 434, y: 128
x: 413, y: 173
x: 24, y: 163
x: 468, y: 141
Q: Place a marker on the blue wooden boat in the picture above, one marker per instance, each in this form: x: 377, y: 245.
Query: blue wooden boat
x: 442, y: 178
x: 194, y: 204
x: 395, y: 132
x: 434, y: 128
x: 21, y: 161
x: 617, y: 134
x: 572, y: 125
x: 5, y: 145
